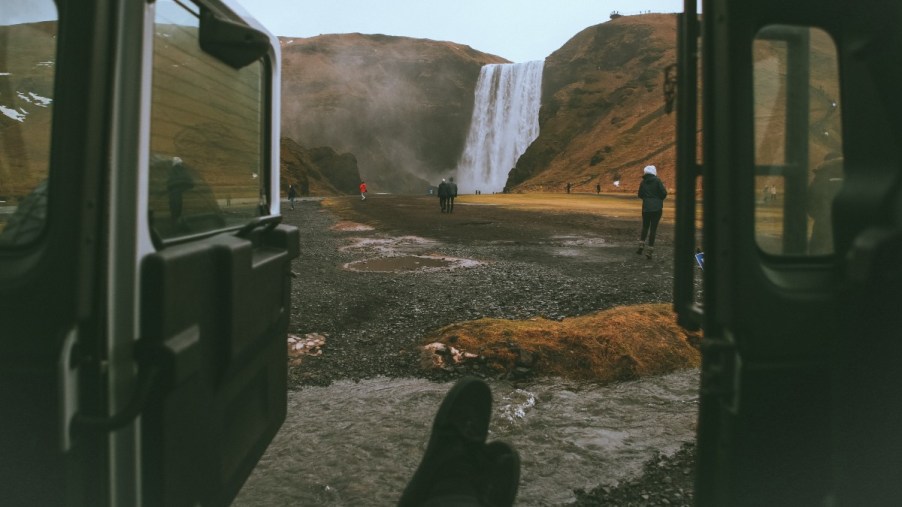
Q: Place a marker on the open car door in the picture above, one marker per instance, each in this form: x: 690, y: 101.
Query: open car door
x: 215, y: 289
x: 802, y: 175
x: 144, y: 272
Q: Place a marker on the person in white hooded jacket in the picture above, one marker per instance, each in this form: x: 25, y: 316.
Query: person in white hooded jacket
x: 652, y: 193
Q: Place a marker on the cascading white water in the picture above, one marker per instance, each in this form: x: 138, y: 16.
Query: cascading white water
x: 505, y: 121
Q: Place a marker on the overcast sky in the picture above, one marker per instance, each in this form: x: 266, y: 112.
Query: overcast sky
x: 518, y: 30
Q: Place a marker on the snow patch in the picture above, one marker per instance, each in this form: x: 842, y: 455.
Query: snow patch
x: 40, y: 101
x: 34, y: 98
x: 14, y: 114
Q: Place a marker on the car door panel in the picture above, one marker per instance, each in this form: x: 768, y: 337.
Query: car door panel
x: 219, y: 309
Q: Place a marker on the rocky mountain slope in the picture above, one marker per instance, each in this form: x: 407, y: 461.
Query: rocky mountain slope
x: 317, y: 171
x: 401, y: 106
x: 602, y: 116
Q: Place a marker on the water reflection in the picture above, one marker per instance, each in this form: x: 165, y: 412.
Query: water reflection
x: 358, y: 443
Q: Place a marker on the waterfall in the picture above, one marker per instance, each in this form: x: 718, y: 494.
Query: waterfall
x: 505, y: 121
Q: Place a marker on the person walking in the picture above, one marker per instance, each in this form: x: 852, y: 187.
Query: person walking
x: 652, y: 193
x: 362, y: 190
x: 292, y: 195
x: 598, y: 188
x: 443, y: 195
x: 452, y: 193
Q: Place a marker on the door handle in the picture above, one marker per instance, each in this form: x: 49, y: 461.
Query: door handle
x: 268, y: 222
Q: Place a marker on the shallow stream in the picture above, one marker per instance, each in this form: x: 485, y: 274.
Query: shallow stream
x: 357, y: 443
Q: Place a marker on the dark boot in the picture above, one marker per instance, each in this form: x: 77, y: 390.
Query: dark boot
x: 641, y: 247
x: 503, y: 475
x: 649, y: 251
x: 454, y: 463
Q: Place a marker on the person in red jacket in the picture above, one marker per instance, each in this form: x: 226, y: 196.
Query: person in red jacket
x: 362, y: 190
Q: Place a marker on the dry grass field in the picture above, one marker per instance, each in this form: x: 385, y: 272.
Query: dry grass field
x: 611, y: 205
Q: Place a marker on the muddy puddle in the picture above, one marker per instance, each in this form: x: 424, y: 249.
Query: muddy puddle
x: 408, y: 263
x: 400, y: 254
x: 405, y: 254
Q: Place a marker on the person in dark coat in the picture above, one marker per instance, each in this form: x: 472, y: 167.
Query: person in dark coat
x: 292, y: 195
x: 452, y: 193
x: 177, y: 183
x: 652, y: 193
x: 443, y: 195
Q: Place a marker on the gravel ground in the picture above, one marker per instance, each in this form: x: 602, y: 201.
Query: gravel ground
x: 551, y: 264
x: 666, y: 480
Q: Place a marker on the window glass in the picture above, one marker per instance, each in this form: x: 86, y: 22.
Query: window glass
x: 28, y: 33
x: 798, y: 139
x: 207, y: 158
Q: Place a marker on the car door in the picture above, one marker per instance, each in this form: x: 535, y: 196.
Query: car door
x: 214, y: 298
x: 800, y: 169
x: 145, y: 287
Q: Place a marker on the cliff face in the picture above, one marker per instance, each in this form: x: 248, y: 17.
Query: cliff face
x: 317, y: 171
x: 602, y: 115
x: 401, y: 106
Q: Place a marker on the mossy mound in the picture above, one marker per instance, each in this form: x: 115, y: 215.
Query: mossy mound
x: 622, y: 343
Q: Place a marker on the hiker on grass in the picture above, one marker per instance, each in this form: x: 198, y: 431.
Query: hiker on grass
x: 452, y: 193
x: 443, y: 191
x: 362, y: 190
x: 652, y: 193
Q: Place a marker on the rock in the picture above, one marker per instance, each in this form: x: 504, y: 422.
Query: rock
x: 309, y: 345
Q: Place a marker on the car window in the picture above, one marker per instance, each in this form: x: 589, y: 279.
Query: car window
x: 207, y: 167
x: 796, y: 89
x: 28, y: 39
